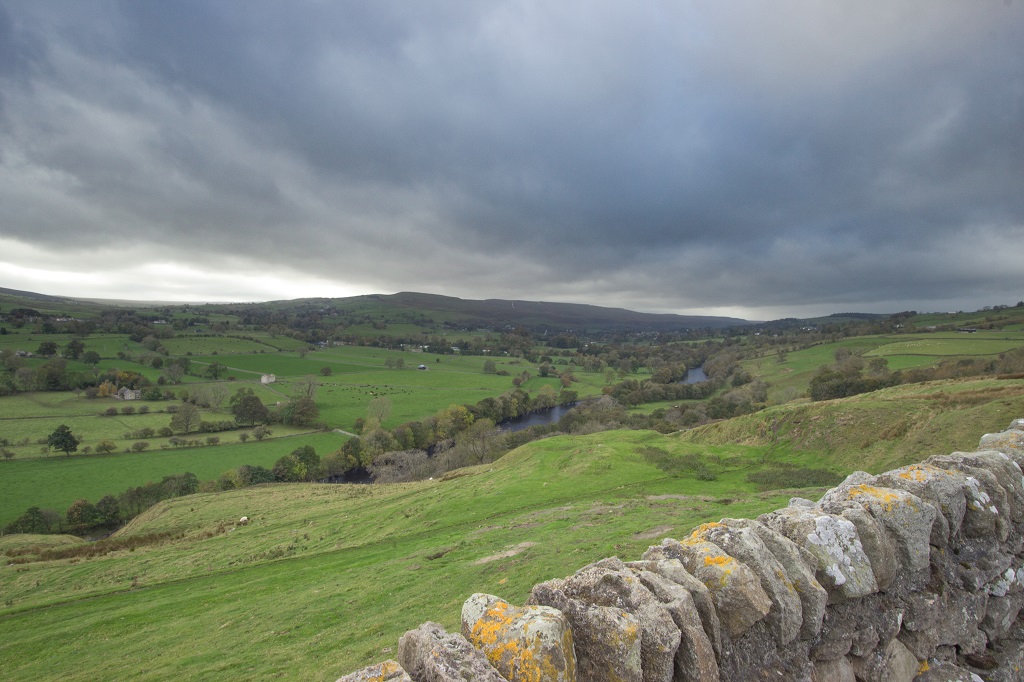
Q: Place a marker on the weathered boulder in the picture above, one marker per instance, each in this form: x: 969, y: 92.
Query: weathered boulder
x: 904, y: 516
x: 943, y: 671
x: 388, y: 671
x: 742, y: 542
x: 838, y: 670
x: 430, y: 654
x: 1010, y: 441
x: 842, y: 566
x: 892, y: 663
x: 610, y: 583
x: 606, y: 639
x: 695, y: 657
x: 522, y: 643
x: 739, y: 598
x: 656, y: 562
x: 943, y: 488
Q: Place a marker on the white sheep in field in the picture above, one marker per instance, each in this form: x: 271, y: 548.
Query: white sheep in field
x: 244, y: 521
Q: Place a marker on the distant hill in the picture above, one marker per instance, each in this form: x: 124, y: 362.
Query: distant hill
x: 536, y: 315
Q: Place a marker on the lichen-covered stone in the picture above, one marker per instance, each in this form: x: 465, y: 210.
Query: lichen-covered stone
x: 943, y: 671
x: 530, y: 643
x: 739, y: 598
x: 892, y: 663
x: 878, y: 544
x: 695, y: 656
x: 1010, y: 441
x: 672, y: 569
x: 905, y: 516
x: 838, y: 670
x: 606, y: 639
x: 797, y: 563
x: 609, y: 582
x: 430, y: 654
x: 984, y: 494
x: 843, y: 568
x: 742, y: 542
x: 944, y: 488
x: 388, y: 671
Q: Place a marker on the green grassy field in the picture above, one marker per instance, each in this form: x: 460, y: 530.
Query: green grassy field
x: 876, y: 431
x: 904, y: 351
x: 55, y: 482
x: 326, y: 578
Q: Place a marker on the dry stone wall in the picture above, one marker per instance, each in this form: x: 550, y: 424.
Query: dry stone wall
x: 914, y: 574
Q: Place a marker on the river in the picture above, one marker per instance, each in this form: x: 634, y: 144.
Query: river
x: 547, y: 415
x: 695, y: 376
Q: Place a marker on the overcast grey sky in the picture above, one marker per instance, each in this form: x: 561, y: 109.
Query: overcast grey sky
x: 749, y: 158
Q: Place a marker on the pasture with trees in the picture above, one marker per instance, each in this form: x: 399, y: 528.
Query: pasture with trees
x: 189, y: 379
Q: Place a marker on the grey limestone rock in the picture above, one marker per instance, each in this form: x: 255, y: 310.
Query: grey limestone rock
x: 672, y: 569
x: 740, y: 601
x: 946, y: 489
x: 388, y: 671
x: 904, y: 516
x: 430, y: 654
x: 695, y: 656
x: 838, y: 670
x: 609, y: 582
x: 892, y: 663
x: 522, y: 643
x: 842, y: 566
x: 941, y: 671
x: 606, y: 639
x: 742, y: 542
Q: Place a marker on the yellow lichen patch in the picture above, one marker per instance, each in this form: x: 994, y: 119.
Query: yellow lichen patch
x: 722, y: 561
x: 914, y: 473
x: 387, y: 669
x: 784, y: 579
x: 923, y: 668
x: 887, y: 498
x: 922, y: 473
x: 517, y: 657
x: 701, y: 531
x: 486, y: 630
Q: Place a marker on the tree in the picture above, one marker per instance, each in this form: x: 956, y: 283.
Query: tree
x: 326, y: 371
x: 215, y: 369
x: 378, y: 410
x: 108, y: 510
x: 91, y: 357
x: 74, y: 348
x: 63, y: 439
x: 301, y: 412
x: 105, y: 446
x: 186, y: 418
x: 306, y: 386
x: 81, y: 514
x: 490, y: 367
x: 250, y: 410
x: 479, y: 440
x: 249, y: 474
x: 47, y: 349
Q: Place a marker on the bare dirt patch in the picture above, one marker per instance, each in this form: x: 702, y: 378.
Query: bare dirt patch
x: 510, y: 552
x: 659, y: 531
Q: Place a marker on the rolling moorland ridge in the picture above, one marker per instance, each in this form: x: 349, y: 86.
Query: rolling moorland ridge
x: 324, y: 578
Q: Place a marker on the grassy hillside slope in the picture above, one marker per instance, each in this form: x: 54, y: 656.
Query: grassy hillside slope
x: 876, y: 431
x: 326, y: 578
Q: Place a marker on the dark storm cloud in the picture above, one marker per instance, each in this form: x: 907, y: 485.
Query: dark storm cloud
x: 708, y: 155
